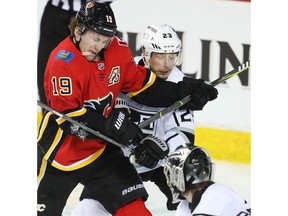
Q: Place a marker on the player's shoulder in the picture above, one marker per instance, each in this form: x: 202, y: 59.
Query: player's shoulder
x: 65, y: 56
x: 118, y: 49
x: 222, y: 193
x: 118, y: 42
x: 229, y: 202
x: 66, y: 59
x: 219, y: 188
x: 65, y: 52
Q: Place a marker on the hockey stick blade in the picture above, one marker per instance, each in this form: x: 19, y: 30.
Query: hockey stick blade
x: 72, y: 121
x: 186, y: 99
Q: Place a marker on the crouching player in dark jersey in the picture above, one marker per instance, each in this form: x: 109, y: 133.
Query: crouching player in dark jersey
x: 83, y: 77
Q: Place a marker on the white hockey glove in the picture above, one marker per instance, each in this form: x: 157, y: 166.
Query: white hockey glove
x: 150, y: 150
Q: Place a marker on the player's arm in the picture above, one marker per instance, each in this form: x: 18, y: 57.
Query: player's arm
x: 154, y: 92
x: 160, y: 93
x: 117, y: 125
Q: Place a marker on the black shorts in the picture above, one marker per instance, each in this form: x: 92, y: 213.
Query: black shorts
x: 117, y: 184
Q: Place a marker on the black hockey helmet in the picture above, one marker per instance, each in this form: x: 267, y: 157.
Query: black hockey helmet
x: 185, y: 166
x: 97, y: 17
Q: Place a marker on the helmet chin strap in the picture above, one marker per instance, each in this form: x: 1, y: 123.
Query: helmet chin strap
x: 76, y: 42
x: 78, y: 47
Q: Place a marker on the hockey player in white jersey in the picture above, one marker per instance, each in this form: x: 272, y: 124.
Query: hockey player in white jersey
x: 161, y: 53
x: 189, y: 172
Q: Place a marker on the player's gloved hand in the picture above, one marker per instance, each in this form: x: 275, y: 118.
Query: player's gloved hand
x: 118, y: 125
x: 199, y: 91
x: 149, y: 151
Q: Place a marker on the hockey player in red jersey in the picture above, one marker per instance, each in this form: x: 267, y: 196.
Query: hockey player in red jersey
x: 162, y: 55
x: 83, y: 77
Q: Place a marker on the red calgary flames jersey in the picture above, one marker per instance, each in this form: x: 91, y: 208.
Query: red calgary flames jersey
x: 73, y: 83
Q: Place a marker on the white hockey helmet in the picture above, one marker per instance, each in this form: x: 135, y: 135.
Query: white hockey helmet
x: 185, y: 166
x: 161, y: 39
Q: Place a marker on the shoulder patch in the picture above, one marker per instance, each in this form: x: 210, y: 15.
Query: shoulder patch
x: 65, y: 55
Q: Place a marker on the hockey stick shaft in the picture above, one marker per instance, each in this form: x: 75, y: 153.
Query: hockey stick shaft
x: 72, y: 121
x: 186, y: 99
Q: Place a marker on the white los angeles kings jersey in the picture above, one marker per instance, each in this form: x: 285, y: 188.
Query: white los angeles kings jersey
x: 170, y: 127
x: 217, y: 200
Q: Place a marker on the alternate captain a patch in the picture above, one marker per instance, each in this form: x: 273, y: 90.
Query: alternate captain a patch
x: 114, y: 76
x: 65, y: 55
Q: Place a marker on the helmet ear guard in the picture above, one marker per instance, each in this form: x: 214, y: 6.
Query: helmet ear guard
x: 97, y: 17
x: 186, y: 166
x: 145, y: 57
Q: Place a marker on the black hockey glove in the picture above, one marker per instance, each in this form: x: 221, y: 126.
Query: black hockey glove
x: 199, y: 91
x: 150, y: 150
x: 119, y: 126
